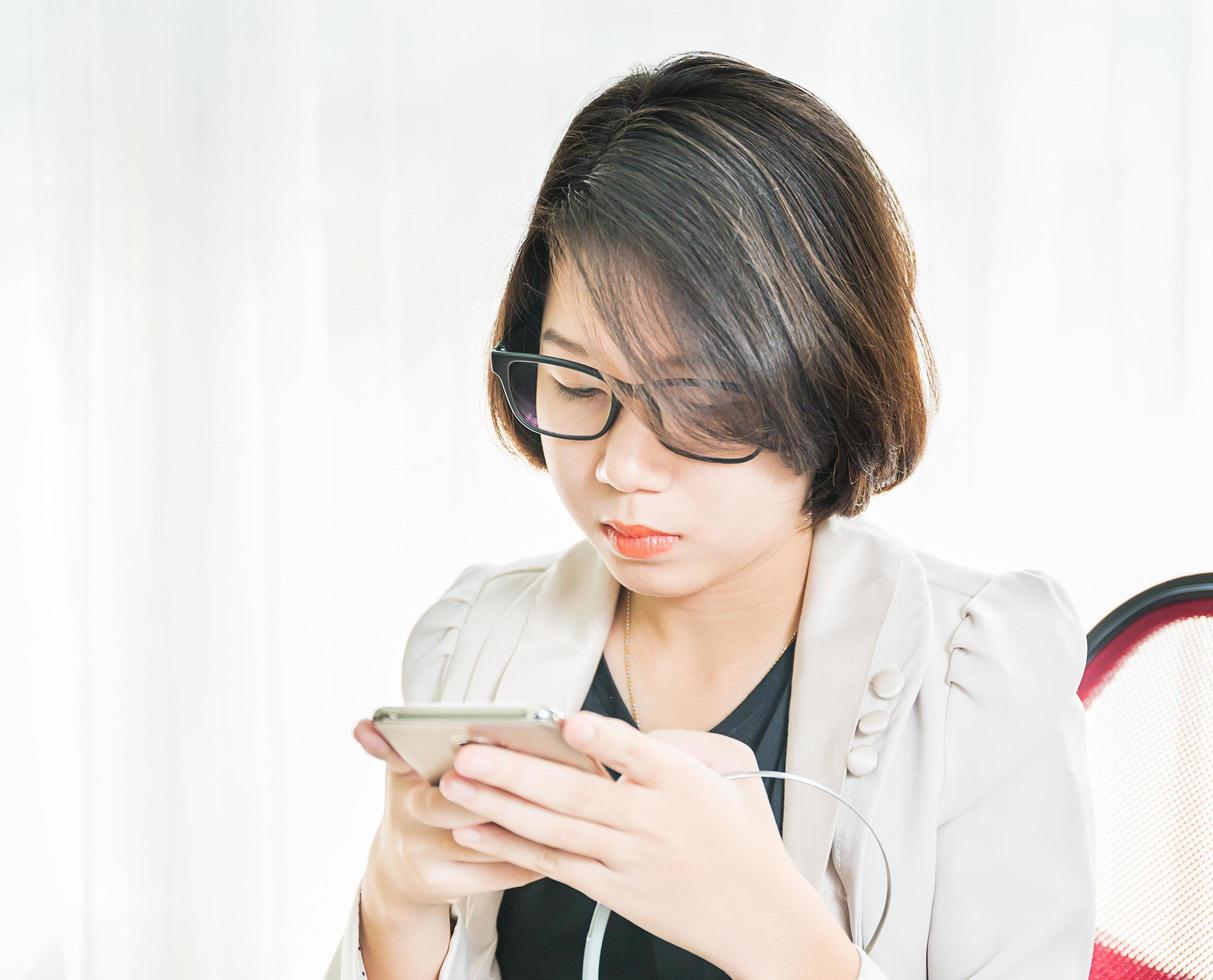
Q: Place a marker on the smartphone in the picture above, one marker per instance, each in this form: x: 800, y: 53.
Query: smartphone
x: 426, y: 733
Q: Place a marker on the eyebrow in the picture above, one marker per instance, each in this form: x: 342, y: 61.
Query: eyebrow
x: 573, y: 347
x: 560, y: 340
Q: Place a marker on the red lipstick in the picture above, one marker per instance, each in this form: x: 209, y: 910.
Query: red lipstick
x: 637, y: 540
x: 636, y: 530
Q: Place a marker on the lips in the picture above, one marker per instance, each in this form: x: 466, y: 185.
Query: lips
x: 637, y: 530
x: 637, y: 540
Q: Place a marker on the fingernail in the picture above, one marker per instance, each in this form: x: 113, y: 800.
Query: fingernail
x: 458, y: 789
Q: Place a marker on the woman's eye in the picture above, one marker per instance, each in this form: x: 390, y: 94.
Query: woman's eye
x: 577, y: 393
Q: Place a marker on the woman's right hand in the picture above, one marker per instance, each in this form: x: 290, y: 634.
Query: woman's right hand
x: 414, y: 860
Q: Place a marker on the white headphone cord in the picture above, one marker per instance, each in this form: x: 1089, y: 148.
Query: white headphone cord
x: 593, y: 938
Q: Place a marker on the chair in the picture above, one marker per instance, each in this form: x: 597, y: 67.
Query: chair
x: 1148, y: 693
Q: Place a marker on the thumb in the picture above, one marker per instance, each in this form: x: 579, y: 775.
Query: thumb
x: 367, y: 735
x: 718, y: 752
x: 721, y: 755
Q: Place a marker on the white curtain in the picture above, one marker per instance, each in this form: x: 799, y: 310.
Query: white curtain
x: 249, y: 256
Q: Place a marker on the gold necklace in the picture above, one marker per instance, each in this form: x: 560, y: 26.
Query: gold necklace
x: 627, y: 662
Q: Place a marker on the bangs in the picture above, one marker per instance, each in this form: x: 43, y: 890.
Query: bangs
x: 682, y: 386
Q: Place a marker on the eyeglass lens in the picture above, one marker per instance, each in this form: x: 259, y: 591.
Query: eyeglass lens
x: 564, y: 401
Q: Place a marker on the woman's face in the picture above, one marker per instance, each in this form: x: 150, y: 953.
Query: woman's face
x: 726, y: 516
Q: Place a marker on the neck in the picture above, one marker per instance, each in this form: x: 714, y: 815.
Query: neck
x: 730, y: 626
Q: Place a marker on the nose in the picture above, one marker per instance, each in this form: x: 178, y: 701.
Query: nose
x: 632, y: 457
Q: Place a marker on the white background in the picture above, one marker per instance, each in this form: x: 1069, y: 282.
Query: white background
x: 250, y: 252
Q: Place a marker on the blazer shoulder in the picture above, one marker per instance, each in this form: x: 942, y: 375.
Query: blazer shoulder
x: 433, y: 637
x: 473, y: 582
x: 527, y: 567
x: 1023, y: 625
x: 1015, y: 659
x: 964, y: 581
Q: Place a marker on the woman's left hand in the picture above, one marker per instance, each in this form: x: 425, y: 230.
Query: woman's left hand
x: 681, y: 852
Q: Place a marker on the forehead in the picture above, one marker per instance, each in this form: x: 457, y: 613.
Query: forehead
x: 566, y: 313
x: 572, y: 348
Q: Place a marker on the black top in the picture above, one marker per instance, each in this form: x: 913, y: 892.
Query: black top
x: 541, y: 926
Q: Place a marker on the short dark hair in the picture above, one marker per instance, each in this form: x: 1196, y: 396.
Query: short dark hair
x: 727, y: 217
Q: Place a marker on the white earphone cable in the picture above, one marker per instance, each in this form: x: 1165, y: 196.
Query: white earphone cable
x: 593, y: 938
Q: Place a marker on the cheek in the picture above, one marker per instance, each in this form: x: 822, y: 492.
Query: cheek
x: 763, y: 501
x: 571, y: 469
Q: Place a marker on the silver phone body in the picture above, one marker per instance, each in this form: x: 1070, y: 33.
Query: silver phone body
x: 426, y: 734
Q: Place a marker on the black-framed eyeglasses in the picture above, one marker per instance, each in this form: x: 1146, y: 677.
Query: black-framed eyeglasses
x: 565, y: 399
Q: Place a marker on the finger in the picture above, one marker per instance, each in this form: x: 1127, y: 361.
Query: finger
x: 376, y: 745
x: 495, y: 875
x: 537, y: 823
x: 555, y: 786
x: 618, y: 745
x: 427, y: 805
x: 586, y: 875
x: 450, y: 849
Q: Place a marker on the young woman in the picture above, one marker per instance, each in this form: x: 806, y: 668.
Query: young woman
x: 709, y: 341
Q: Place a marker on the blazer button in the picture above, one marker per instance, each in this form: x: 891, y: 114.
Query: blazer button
x: 861, y: 760
x: 873, y: 723
x: 888, y: 683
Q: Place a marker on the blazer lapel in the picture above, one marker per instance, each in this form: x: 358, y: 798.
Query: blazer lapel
x: 562, y: 641
x: 552, y: 663
x: 845, y: 630
x: 848, y: 594
x: 900, y: 627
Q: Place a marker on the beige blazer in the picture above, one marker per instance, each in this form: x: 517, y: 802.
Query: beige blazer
x: 980, y: 792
